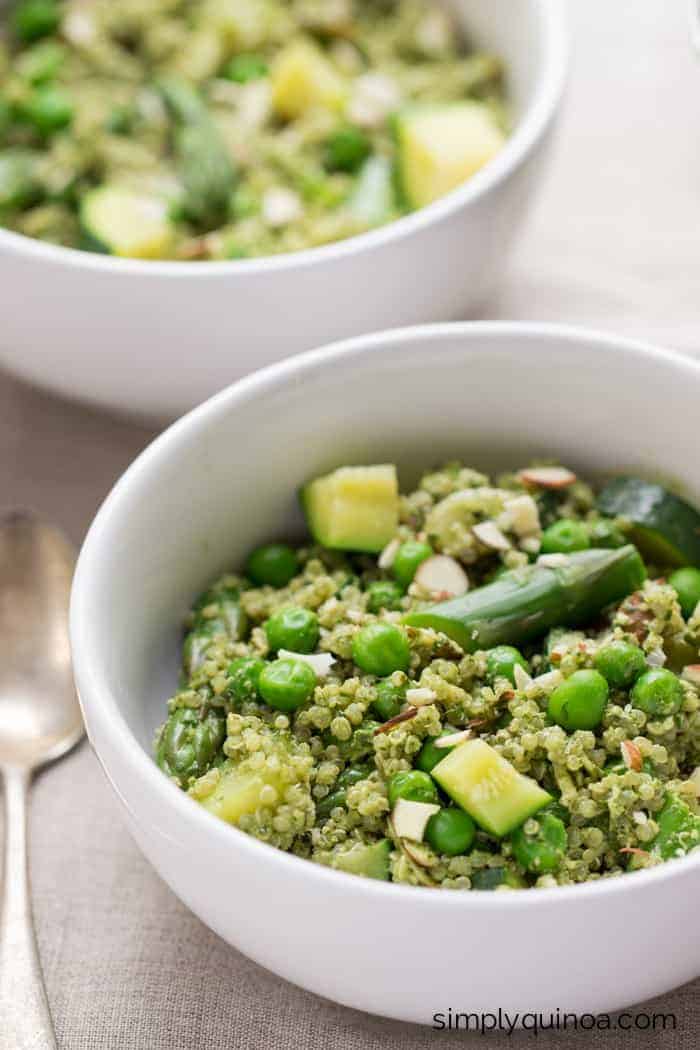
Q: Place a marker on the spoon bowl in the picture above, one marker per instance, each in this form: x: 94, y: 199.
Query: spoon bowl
x: 39, y: 714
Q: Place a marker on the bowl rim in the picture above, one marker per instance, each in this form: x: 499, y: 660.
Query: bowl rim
x: 553, y: 30
x: 97, y: 698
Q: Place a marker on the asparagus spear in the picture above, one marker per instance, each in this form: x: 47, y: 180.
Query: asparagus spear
x: 205, y: 166
x: 526, y: 603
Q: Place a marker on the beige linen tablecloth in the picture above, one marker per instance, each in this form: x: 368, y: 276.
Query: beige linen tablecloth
x: 614, y: 243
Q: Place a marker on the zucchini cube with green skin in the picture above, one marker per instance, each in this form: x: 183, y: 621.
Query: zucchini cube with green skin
x: 372, y: 861
x: 441, y: 146
x: 123, y: 222
x: 303, y: 79
x: 237, y: 791
x: 354, y: 508
x: 489, y: 788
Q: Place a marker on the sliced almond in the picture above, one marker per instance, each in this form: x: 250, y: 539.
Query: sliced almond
x: 419, y: 854
x: 524, y: 515
x: 410, y: 818
x: 403, y: 716
x: 488, y: 533
x: 547, y: 477
x: 420, y: 697
x: 548, y: 680
x: 531, y: 544
x: 691, y: 674
x: 320, y: 663
x: 631, y: 755
x: 553, y: 561
x: 656, y: 658
x: 386, y: 558
x: 442, y: 574
x: 453, y: 739
x: 635, y: 851
x: 522, y: 678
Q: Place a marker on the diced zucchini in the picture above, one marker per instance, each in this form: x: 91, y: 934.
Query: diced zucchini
x: 664, y: 527
x: 354, y: 508
x: 370, y: 861
x: 373, y: 199
x: 440, y: 147
x: 237, y: 791
x: 489, y: 788
x: 242, y: 24
x: 302, y: 79
x: 123, y: 222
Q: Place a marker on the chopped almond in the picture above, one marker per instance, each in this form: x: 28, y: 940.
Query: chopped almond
x: 320, y: 663
x: 522, y: 678
x: 454, y: 739
x: 410, y: 818
x: 524, y: 516
x: 403, y: 716
x: 420, y: 697
x: 386, y: 558
x: 691, y: 674
x: 547, y: 477
x: 488, y: 533
x: 631, y: 755
x: 442, y: 575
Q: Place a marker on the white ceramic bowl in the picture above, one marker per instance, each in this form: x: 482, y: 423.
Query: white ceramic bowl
x: 155, y: 338
x: 221, y: 481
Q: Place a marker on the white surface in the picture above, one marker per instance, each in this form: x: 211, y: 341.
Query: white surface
x: 157, y: 338
x: 614, y: 240
x: 192, y: 505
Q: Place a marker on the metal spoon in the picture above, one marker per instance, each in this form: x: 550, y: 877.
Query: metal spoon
x: 39, y: 721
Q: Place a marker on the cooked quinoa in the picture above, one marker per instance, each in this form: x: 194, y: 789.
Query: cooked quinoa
x: 225, y: 129
x: 335, y: 776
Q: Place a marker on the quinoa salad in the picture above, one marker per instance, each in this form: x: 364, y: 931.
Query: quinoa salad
x: 482, y: 684
x: 227, y: 129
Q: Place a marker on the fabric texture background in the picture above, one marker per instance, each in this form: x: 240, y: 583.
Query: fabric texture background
x: 613, y: 244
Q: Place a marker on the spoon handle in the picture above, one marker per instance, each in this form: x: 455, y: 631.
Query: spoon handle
x: 25, y: 1020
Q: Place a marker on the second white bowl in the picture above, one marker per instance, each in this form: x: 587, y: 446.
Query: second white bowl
x: 150, y: 338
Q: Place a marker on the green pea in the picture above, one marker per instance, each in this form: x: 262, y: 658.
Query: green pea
x: 48, y: 109
x: 41, y: 62
x: 451, y: 831
x: 430, y: 754
x: 383, y: 594
x: 539, y: 845
x: 294, y: 628
x: 501, y: 662
x: 658, y: 693
x: 244, y: 68
x: 273, y: 565
x: 412, y: 785
x: 244, y: 678
x: 495, y: 878
x: 33, y: 19
x: 286, y: 684
x: 605, y: 533
x: 381, y: 649
x: 579, y: 702
x: 120, y: 120
x: 188, y: 743
x: 686, y: 584
x: 620, y: 663
x: 347, y: 150
x: 337, y: 797
x: 564, y: 537
x: 18, y: 182
x: 408, y: 557
x: 389, y: 701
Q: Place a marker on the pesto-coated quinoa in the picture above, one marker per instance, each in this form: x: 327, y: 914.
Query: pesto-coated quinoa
x: 224, y: 129
x: 480, y: 684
